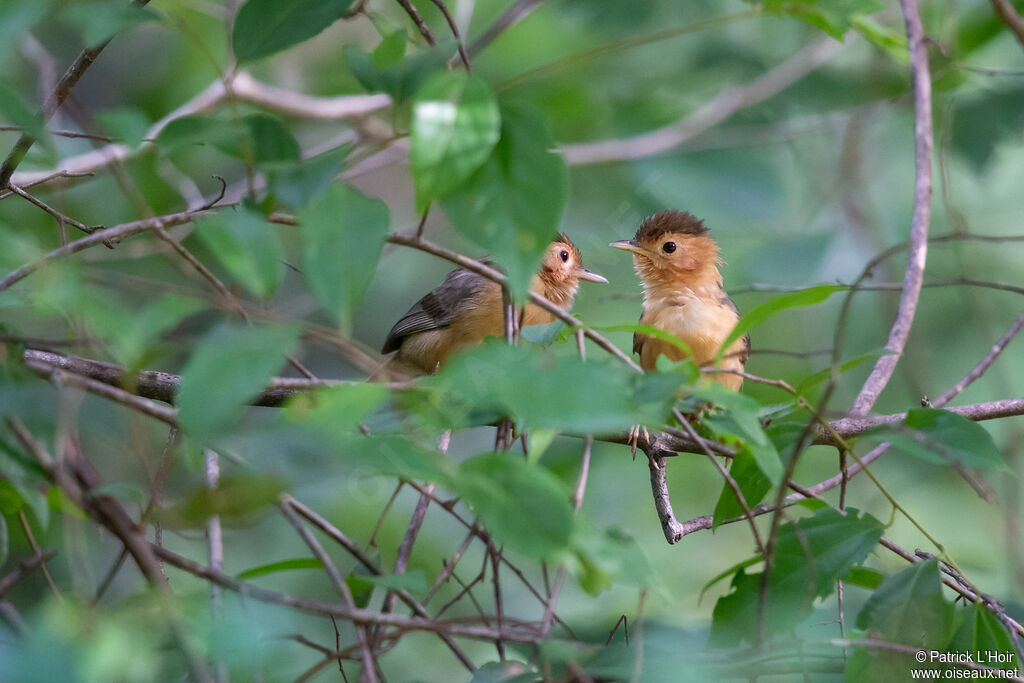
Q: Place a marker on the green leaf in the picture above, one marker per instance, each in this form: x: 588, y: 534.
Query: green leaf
x: 271, y: 141
x: 300, y: 183
x: 738, y: 419
x: 415, y: 582
x: 336, y: 411
x: 391, y: 49
x: 128, y: 332
x: 101, y: 20
x: 248, y: 247
x: 344, y: 233
x: 280, y: 566
x: 400, y: 80
x: 523, y: 506
x: 810, y: 556
x: 16, y: 18
x: 361, y: 589
x: 749, y: 562
x: 865, y: 577
x: 805, y: 297
x: 650, y: 331
x: 5, y: 541
x: 513, y: 205
x: 530, y: 384
x: 831, y: 16
x: 198, y: 129
x: 982, y: 632
x: 128, y: 126
x: 908, y: 608
x: 752, y: 482
x: 940, y: 437
x: 264, y: 27
x: 395, y: 455
x: 601, y: 559
x: 455, y: 125
x: 542, y: 335
x: 229, y: 368
x: 891, y: 42
x: 18, y: 112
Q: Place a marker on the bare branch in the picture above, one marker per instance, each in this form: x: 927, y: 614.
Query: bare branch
x: 721, y: 107
x: 917, y: 255
x: 244, y: 87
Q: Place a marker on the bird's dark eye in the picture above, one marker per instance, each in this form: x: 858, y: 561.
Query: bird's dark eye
x: 564, y: 255
x: 668, y: 247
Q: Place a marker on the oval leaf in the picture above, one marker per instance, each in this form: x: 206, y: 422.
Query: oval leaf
x: 455, y: 125
x: 344, y: 233
x: 264, y: 27
x: 228, y: 369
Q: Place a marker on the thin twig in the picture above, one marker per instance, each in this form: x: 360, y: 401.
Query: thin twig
x: 509, y: 18
x: 1008, y: 15
x: 64, y: 87
x: 417, y: 19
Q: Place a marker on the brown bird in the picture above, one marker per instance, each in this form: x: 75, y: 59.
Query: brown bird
x: 677, y: 260
x: 467, y: 307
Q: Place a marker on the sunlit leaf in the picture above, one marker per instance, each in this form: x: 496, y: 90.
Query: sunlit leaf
x: 264, y: 27
x: 344, y: 231
x: 513, y: 205
x: 229, y: 367
x: 455, y: 125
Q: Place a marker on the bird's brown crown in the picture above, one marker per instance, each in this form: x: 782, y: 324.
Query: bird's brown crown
x: 681, y: 222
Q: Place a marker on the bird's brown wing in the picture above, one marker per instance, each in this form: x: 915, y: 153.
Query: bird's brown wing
x: 639, y: 339
x: 438, y: 308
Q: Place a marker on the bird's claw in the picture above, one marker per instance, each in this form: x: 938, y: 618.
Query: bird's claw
x: 634, y: 438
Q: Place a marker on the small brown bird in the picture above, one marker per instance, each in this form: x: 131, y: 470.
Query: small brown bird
x: 678, y: 262
x: 467, y: 307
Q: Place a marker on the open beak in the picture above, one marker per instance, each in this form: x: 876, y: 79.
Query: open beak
x: 629, y: 245
x: 591, y: 276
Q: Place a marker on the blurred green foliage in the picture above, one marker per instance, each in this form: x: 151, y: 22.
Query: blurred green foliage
x: 802, y: 188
